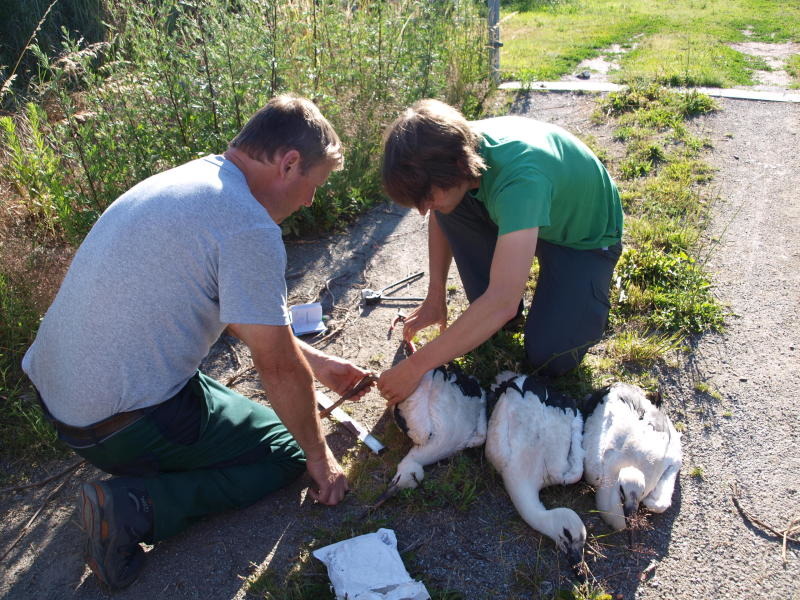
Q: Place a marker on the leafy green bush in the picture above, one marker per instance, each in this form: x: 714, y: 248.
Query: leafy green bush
x: 178, y: 79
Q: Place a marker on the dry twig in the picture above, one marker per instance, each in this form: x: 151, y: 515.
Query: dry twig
x: 25, y: 486
x: 36, y: 514
x: 790, y: 534
x: 239, y: 374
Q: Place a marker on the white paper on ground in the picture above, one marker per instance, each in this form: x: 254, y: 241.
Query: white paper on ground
x: 307, y: 318
x: 368, y: 567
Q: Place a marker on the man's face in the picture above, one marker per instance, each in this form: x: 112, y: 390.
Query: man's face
x: 444, y: 201
x: 297, y: 189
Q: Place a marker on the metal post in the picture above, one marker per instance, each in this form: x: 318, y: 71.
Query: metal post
x: 494, y: 40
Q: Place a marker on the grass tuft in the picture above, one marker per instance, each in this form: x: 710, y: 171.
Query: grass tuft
x: 687, y: 45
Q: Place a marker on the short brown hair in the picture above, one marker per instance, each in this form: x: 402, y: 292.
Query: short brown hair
x: 289, y: 122
x: 429, y: 145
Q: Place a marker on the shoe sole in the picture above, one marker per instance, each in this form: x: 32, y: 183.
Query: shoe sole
x: 95, y: 503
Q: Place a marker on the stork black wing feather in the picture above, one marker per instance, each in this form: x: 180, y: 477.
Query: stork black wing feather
x: 548, y: 396
x: 400, y: 419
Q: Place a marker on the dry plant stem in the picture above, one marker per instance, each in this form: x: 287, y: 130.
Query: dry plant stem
x: 787, y: 535
x: 36, y: 514
x: 238, y: 375
x: 418, y: 543
x: 233, y: 353
x: 795, y: 526
x: 11, y: 76
x: 17, y: 488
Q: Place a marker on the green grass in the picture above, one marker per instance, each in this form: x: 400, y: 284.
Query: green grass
x: 683, y: 43
x: 26, y: 436
x: 705, y: 388
x: 793, y: 68
x: 698, y: 473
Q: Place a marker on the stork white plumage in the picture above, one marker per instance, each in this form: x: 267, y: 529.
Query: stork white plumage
x: 633, y: 454
x: 534, y: 441
x: 444, y: 415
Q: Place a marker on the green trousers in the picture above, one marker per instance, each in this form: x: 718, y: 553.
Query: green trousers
x: 205, y: 450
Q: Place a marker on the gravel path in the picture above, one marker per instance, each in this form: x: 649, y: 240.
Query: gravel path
x: 701, y: 548
x: 751, y: 436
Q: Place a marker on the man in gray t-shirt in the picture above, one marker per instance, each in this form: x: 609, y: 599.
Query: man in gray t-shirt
x: 167, y: 267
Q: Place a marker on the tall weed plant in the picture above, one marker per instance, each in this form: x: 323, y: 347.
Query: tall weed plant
x: 177, y: 79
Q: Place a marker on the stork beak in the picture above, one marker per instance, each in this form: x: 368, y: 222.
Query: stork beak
x: 629, y: 509
x: 575, y: 559
x: 389, y: 492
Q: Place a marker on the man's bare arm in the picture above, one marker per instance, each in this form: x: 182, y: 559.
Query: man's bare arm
x: 289, y: 383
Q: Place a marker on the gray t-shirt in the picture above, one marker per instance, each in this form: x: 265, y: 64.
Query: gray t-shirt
x: 166, y: 267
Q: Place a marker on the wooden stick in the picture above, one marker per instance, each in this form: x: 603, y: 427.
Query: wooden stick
x: 365, y: 381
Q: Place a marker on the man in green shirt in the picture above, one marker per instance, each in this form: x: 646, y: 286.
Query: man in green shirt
x: 500, y: 192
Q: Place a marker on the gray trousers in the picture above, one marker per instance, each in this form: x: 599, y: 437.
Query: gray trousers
x: 569, y: 312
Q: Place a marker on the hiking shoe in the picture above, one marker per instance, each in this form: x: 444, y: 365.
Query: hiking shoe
x: 116, y: 518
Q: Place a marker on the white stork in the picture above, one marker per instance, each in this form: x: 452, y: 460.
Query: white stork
x: 534, y: 441
x: 444, y: 415
x: 633, y: 454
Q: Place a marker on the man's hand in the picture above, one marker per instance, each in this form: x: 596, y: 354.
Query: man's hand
x: 336, y: 374
x: 433, y: 311
x: 399, y: 382
x: 288, y: 381
x: 340, y: 376
x: 329, y: 479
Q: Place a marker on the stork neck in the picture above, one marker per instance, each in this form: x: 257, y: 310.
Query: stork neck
x: 531, y: 509
x: 609, y: 505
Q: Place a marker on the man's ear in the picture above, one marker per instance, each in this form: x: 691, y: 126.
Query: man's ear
x: 290, y: 163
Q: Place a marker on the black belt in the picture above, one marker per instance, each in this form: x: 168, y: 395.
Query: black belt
x: 96, y: 432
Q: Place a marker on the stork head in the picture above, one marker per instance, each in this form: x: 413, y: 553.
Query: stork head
x: 569, y: 535
x: 409, y: 474
x: 631, y: 489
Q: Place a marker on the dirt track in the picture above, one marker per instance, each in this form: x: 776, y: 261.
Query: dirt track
x: 701, y: 548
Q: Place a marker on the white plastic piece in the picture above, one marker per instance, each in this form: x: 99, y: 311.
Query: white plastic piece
x: 368, y: 567
x: 356, y: 428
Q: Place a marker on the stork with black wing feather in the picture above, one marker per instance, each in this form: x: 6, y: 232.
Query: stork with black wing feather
x: 534, y: 441
x: 633, y: 454
x: 444, y: 415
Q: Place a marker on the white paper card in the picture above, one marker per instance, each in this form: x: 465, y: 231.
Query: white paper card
x: 307, y: 318
x: 368, y: 567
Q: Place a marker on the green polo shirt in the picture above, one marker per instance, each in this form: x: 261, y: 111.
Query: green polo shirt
x: 540, y: 175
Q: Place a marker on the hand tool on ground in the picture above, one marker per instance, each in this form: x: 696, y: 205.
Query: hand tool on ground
x: 353, y: 426
x: 365, y: 381
x: 372, y: 297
